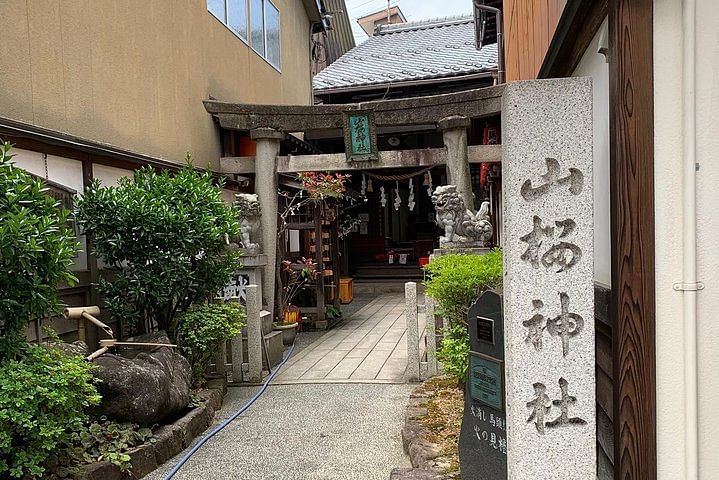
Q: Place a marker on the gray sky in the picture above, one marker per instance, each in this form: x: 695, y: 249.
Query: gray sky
x: 412, y: 9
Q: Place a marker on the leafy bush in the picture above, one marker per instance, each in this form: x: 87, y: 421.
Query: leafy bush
x: 42, y: 402
x: 455, y: 281
x: 36, y: 249
x: 203, y: 327
x: 164, y: 236
x: 455, y: 351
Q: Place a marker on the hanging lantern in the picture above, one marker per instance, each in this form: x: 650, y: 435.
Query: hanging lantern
x: 369, y: 186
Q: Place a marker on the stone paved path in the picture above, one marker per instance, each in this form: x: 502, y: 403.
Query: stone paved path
x: 369, y: 347
x: 335, y: 410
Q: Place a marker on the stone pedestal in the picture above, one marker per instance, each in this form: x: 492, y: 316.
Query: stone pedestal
x: 469, y: 248
x: 268, y: 147
x: 454, y: 134
x: 548, y: 279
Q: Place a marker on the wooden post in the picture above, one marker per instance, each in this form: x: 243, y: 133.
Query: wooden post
x: 631, y: 140
x: 335, y: 258
x: 321, y: 321
x: 410, y: 315
x: 254, y: 332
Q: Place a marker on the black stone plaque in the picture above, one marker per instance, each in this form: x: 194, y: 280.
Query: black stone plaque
x: 483, y: 437
x: 485, y: 329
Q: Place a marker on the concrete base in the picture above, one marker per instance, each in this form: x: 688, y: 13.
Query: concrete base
x: 275, y: 348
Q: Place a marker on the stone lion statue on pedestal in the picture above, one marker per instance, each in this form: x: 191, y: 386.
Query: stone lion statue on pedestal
x: 460, y: 225
x: 249, y: 207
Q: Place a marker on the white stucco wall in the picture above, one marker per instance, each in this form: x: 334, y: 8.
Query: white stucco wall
x: 593, y: 64
x: 669, y: 144
x: 66, y: 172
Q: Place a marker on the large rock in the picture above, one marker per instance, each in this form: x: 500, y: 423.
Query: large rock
x: 143, y: 385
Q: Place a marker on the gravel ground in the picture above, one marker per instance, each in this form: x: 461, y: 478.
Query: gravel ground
x: 310, y: 431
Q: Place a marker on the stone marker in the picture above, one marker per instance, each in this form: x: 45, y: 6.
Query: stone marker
x: 410, y: 315
x: 548, y: 284
x: 483, y: 437
x: 254, y: 333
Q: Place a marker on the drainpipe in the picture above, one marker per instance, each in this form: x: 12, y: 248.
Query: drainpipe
x: 500, y: 36
x: 690, y: 286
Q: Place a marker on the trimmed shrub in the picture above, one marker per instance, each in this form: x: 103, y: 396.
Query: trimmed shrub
x: 36, y: 249
x: 203, y: 328
x: 42, y: 402
x: 164, y: 237
x: 455, y: 281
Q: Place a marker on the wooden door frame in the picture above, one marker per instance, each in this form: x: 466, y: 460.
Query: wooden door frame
x: 631, y: 139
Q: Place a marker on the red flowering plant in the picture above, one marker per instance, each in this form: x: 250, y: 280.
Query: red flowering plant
x: 315, y: 188
x: 323, y: 185
x: 299, y: 275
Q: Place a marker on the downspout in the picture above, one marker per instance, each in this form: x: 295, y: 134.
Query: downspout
x: 689, y: 286
x: 500, y: 36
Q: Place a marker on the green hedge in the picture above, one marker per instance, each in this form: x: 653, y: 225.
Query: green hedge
x: 455, y: 281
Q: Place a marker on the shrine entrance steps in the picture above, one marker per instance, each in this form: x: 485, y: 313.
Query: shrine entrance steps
x: 370, y: 346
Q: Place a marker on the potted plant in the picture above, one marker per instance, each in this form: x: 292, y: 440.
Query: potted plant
x: 299, y: 275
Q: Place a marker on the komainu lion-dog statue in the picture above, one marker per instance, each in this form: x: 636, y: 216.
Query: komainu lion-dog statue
x: 460, y: 225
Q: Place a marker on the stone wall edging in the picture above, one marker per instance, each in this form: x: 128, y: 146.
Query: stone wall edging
x: 425, y: 456
x: 170, y: 439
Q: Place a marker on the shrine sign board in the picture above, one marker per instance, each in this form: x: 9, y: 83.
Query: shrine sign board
x: 486, y: 380
x: 549, y: 279
x: 360, y: 135
x: 483, y: 436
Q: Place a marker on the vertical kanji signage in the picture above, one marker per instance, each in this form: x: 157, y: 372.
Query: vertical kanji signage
x: 360, y: 135
x: 549, y: 279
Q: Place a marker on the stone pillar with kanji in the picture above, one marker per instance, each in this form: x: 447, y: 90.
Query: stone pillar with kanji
x: 549, y: 279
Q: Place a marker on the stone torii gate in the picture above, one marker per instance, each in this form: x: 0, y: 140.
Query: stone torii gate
x: 268, y: 125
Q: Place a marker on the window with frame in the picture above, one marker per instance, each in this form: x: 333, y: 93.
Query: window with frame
x: 257, y: 22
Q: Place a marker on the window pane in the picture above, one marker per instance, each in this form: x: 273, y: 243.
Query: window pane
x: 257, y: 27
x: 237, y: 17
x: 272, y: 19
x: 217, y: 8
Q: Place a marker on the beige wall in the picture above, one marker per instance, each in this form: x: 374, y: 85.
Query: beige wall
x: 669, y: 144
x: 133, y: 73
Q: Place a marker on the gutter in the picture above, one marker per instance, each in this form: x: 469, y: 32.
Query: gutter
x: 500, y: 35
x: 689, y: 285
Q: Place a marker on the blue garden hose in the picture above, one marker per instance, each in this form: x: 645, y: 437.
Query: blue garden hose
x: 229, y: 420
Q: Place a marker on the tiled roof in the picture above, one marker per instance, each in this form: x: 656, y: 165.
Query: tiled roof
x: 420, y: 50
